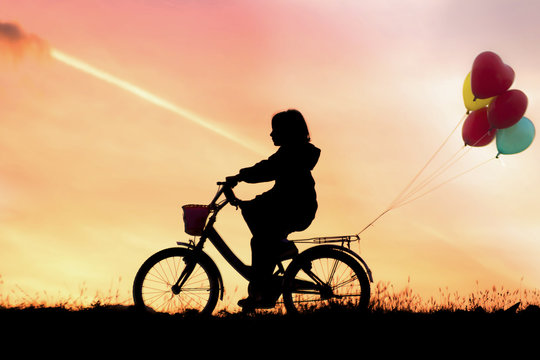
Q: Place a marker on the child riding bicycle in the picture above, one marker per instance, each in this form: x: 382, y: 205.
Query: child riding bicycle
x: 289, y: 206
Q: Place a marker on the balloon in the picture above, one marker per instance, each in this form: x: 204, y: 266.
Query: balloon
x: 516, y: 138
x: 471, y: 102
x: 476, y: 130
x: 490, y: 76
x: 507, y: 109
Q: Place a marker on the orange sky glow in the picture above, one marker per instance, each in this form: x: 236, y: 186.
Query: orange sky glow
x: 93, y: 173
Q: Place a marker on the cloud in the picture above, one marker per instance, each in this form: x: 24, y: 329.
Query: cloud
x: 15, y: 43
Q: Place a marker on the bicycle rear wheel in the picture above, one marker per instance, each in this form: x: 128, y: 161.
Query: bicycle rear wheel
x: 153, y: 285
x: 324, y: 276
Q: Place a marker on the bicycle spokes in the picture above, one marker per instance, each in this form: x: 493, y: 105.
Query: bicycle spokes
x: 326, y: 277
x: 175, y: 281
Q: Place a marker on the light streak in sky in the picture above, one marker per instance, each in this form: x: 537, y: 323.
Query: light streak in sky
x: 150, y: 97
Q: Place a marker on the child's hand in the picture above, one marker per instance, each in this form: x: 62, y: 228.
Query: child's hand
x: 232, y: 181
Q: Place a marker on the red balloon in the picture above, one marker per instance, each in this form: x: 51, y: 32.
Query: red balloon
x: 476, y: 129
x: 507, y: 109
x: 490, y: 76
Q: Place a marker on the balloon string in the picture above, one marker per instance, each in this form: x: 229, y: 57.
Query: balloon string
x: 445, y: 166
x: 374, y: 220
x: 451, y: 161
x: 402, y: 200
x: 446, y: 182
x: 427, y: 163
x: 395, y: 206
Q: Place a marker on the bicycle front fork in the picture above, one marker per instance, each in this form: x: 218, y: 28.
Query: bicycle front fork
x: 191, y: 262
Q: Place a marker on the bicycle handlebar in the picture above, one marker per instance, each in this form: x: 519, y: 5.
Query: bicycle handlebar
x: 227, y: 191
x: 229, y: 182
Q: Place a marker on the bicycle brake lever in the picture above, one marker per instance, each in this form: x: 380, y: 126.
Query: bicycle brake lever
x: 235, y: 203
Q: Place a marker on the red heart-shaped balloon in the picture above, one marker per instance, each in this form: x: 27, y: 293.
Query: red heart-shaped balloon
x: 490, y: 76
x: 507, y: 109
x: 476, y: 129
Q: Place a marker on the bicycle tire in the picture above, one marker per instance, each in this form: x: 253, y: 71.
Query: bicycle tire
x: 342, y: 281
x: 152, y: 287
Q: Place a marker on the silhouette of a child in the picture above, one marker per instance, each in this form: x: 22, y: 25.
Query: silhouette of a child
x: 290, y: 205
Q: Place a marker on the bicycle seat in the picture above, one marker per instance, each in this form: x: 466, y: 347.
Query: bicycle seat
x: 287, y: 250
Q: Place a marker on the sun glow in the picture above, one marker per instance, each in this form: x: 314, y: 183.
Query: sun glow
x: 152, y: 98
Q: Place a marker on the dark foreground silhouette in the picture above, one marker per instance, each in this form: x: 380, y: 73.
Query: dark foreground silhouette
x: 340, y: 330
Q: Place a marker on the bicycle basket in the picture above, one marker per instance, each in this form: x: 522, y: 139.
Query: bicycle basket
x: 195, y: 218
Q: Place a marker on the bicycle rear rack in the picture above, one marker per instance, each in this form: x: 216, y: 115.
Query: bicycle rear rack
x: 343, y: 239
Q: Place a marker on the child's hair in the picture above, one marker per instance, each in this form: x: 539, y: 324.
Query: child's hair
x: 293, y: 125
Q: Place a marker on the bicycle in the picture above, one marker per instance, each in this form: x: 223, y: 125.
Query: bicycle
x: 184, y: 278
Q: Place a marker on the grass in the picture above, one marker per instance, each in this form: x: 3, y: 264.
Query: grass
x: 384, y: 298
x: 17, y: 297
x: 395, y: 317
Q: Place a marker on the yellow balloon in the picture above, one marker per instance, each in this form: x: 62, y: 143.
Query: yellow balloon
x: 469, y: 99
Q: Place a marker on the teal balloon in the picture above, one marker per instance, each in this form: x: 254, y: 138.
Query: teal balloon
x: 516, y: 138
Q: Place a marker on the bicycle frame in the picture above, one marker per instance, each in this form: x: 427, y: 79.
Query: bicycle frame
x: 210, y: 233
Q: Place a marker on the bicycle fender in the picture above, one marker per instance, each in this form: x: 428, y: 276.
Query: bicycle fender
x: 354, y: 254
x: 185, y: 244
x: 349, y: 252
x: 210, y: 261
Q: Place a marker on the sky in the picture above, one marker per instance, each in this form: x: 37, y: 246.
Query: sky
x: 92, y: 177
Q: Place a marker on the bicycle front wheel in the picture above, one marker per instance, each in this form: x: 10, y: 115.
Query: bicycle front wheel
x: 325, y: 276
x: 154, y: 285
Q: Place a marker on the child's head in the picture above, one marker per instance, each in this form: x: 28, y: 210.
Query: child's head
x: 289, y: 127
